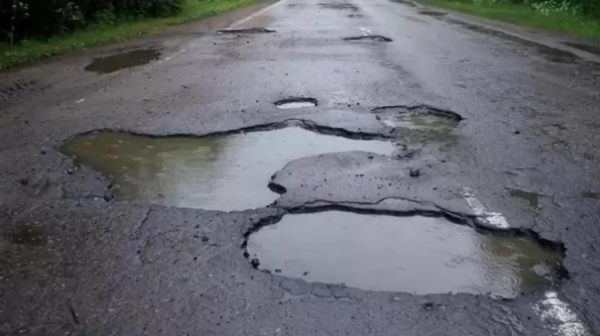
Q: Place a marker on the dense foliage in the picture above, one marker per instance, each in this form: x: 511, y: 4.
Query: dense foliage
x: 25, y: 19
x: 589, y: 8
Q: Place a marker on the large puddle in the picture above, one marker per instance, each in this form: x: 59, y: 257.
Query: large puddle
x: 420, y: 255
x: 108, y: 64
x: 229, y: 172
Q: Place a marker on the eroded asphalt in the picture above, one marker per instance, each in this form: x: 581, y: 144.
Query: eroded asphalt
x: 77, y: 259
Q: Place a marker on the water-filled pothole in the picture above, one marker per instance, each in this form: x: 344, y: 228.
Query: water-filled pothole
x: 420, y: 255
x: 372, y: 38
x: 255, y: 30
x: 225, y: 172
x: 121, y: 61
x: 296, y: 102
x: 418, y: 118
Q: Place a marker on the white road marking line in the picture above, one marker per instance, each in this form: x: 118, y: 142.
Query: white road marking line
x: 555, y: 311
x: 255, y: 14
x: 551, y: 309
x: 79, y: 101
x: 492, y: 218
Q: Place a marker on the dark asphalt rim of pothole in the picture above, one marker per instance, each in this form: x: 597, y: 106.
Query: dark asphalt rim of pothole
x: 373, y: 38
x: 290, y: 100
x: 561, y: 273
x: 420, y: 109
x: 255, y: 30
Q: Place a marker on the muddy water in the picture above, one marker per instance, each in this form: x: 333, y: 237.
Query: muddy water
x: 428, y: 122
x: 108, y: 64
x: 420, y: 255
x: 220, y: 173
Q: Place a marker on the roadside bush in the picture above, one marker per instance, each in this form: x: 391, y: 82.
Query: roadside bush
x: 25, y: 19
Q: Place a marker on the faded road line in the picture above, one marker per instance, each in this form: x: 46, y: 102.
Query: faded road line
x: 493, y: 218
x: 565, y: 321
x: 253, y: 15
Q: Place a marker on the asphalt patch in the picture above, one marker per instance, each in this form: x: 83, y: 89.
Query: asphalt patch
x: 531, y: 198
x: 215, y: 172
x: 373, y: 38
x: 26, y: 234
x: 414, y: 254
x: 133, y: 58
x: 593, y: 49
x: 11, y: 91
x: 255, y: 30
x: 296, y: 102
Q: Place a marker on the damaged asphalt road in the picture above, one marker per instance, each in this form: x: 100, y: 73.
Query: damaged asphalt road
x: 307, y: 168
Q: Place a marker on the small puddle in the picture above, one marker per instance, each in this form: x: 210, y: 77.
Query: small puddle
x: 293, y: 103
x: 108, y: 64
x: 228, y: 172
x: 530, y: 197
x: 420, y: 255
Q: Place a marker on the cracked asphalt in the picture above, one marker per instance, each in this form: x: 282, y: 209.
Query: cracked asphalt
x: 75, y: 259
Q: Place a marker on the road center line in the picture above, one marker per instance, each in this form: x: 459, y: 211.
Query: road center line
x: 552, y: 309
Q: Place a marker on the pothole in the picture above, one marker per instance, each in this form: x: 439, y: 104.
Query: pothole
x: 431, y: 13
x: 296, y: 102
x: 255, y: 30
x: 422, y: 118
x: 419, y: 255
x: 113, y: 63
x: 594, y: 49
x: 220, y: 172
x: 341, y: 6
x: 373, y: 38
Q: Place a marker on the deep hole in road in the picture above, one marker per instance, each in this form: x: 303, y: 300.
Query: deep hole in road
x: 217, y: 172
x: 254, y: 30
x: 113, y: 63
x: 415, y: 254
x: 372, y: 38
x: 296, y: 102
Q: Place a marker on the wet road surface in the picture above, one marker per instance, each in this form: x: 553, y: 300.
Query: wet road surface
x: 305, y: 168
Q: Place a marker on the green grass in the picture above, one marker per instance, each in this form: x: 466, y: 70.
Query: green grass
x: 526, y: 16
x: 29, y: 51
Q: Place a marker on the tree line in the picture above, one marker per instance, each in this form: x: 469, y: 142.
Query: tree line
x: 30, y: 19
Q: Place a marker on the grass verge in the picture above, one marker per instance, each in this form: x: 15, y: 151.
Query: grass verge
x: 30, y: 51
x: 523, y: 15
